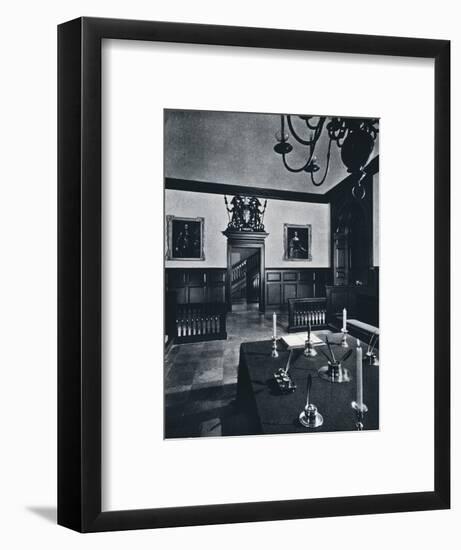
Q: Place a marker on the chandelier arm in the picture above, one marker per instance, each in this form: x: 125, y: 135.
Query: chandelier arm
x: 319, y: 183
x: 313, y: 126
x: 300, y: 139
x: 297, y: 170
x: 340, y: 143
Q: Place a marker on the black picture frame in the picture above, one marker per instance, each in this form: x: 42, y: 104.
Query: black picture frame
x: 79, y: 274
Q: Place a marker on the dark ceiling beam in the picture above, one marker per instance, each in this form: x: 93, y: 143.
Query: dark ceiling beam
x: 226, y: 189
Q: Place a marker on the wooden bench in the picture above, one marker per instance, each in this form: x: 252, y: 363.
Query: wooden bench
x: 301, y: 311
x: 361, y: 330
x: 200, y: 322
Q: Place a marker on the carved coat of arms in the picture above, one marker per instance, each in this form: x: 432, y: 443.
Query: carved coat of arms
x: 246, y: 214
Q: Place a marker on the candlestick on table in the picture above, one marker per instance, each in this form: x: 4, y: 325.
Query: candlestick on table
x: 359, y: 375
x: 309, y: 350
x: 344, y: 319
x: 310, y: 416
x: 359, y: 405
x: 274, y: 352
x: 344, y: 343
x: 274, y: 325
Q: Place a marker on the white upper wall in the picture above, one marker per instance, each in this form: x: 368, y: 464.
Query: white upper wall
x: 211, y: 207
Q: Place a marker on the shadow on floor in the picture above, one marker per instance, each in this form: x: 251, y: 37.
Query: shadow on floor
x: 201, y: 379
x: 48, y: 513
x: 208, y: 412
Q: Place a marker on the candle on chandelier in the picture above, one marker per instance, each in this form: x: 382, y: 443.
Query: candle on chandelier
x: 359, y: 375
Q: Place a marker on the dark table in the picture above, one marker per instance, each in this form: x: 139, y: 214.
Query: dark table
x: 270, y: 412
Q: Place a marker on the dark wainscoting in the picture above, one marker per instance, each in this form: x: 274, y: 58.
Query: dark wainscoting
x: 361, y: 302
x: 196, y: 285
x: 283, y: 284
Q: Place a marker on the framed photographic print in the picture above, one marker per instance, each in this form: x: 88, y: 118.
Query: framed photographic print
x: 185, y: 238
x: 297, y: 242
x: 282, y: 326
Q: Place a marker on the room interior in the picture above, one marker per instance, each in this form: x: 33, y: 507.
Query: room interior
x: 314, y: 254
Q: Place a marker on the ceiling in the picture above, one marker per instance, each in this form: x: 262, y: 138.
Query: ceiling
x: 238, y: 149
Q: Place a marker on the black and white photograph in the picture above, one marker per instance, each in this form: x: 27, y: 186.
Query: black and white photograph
x: 272, y: 327
x: 230, y: 310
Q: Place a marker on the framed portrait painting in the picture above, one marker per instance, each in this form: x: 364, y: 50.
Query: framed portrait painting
x: 185, y: 238
x: 231, y: 264
x: 297, y: 241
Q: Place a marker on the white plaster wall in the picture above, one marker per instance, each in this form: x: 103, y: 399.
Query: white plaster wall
x: 211, y: 207
x: 206, y: 205
x: 317, y: 215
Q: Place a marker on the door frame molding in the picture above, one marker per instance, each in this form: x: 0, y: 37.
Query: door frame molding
x: 249, y: 239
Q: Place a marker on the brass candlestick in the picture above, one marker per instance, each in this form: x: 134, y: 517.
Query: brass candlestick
x: 274, y: 353
x: 359, y: 408
x: 344, y: 343
x: 359, y: 422
x: 360, y: 411
x: 309, y: 350
x: 310, y: 416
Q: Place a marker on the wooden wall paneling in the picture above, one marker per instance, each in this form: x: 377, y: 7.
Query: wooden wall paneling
x: 360, y: 301
x: 289, y: 291
x: 322, y: 278
x: 285, y: 283
x: 216, y: 286
x: 306, y: 285
x: 274, y: 294
x: 305, y: 290
x: 216, y: 294
x: 346, y: 212
x: 182, y: 295
x: 197, y: 294
x: 196, y: 285
x: 307, y: 276
x: 217, y: 276
x: 195, y: 277
x: 339, y: 297
x: 274, y: 277
x: 291, y: 275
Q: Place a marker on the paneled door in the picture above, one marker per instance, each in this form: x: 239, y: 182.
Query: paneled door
x: 341, y: 256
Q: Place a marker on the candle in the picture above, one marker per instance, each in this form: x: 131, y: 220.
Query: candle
x: 359, y: 375
x: 274, y: 324
x: 344, y: 318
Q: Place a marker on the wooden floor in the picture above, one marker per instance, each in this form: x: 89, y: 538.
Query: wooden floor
x: 201, y: 378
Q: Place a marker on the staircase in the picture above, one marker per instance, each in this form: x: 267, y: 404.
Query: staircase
x: 245, y: 280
